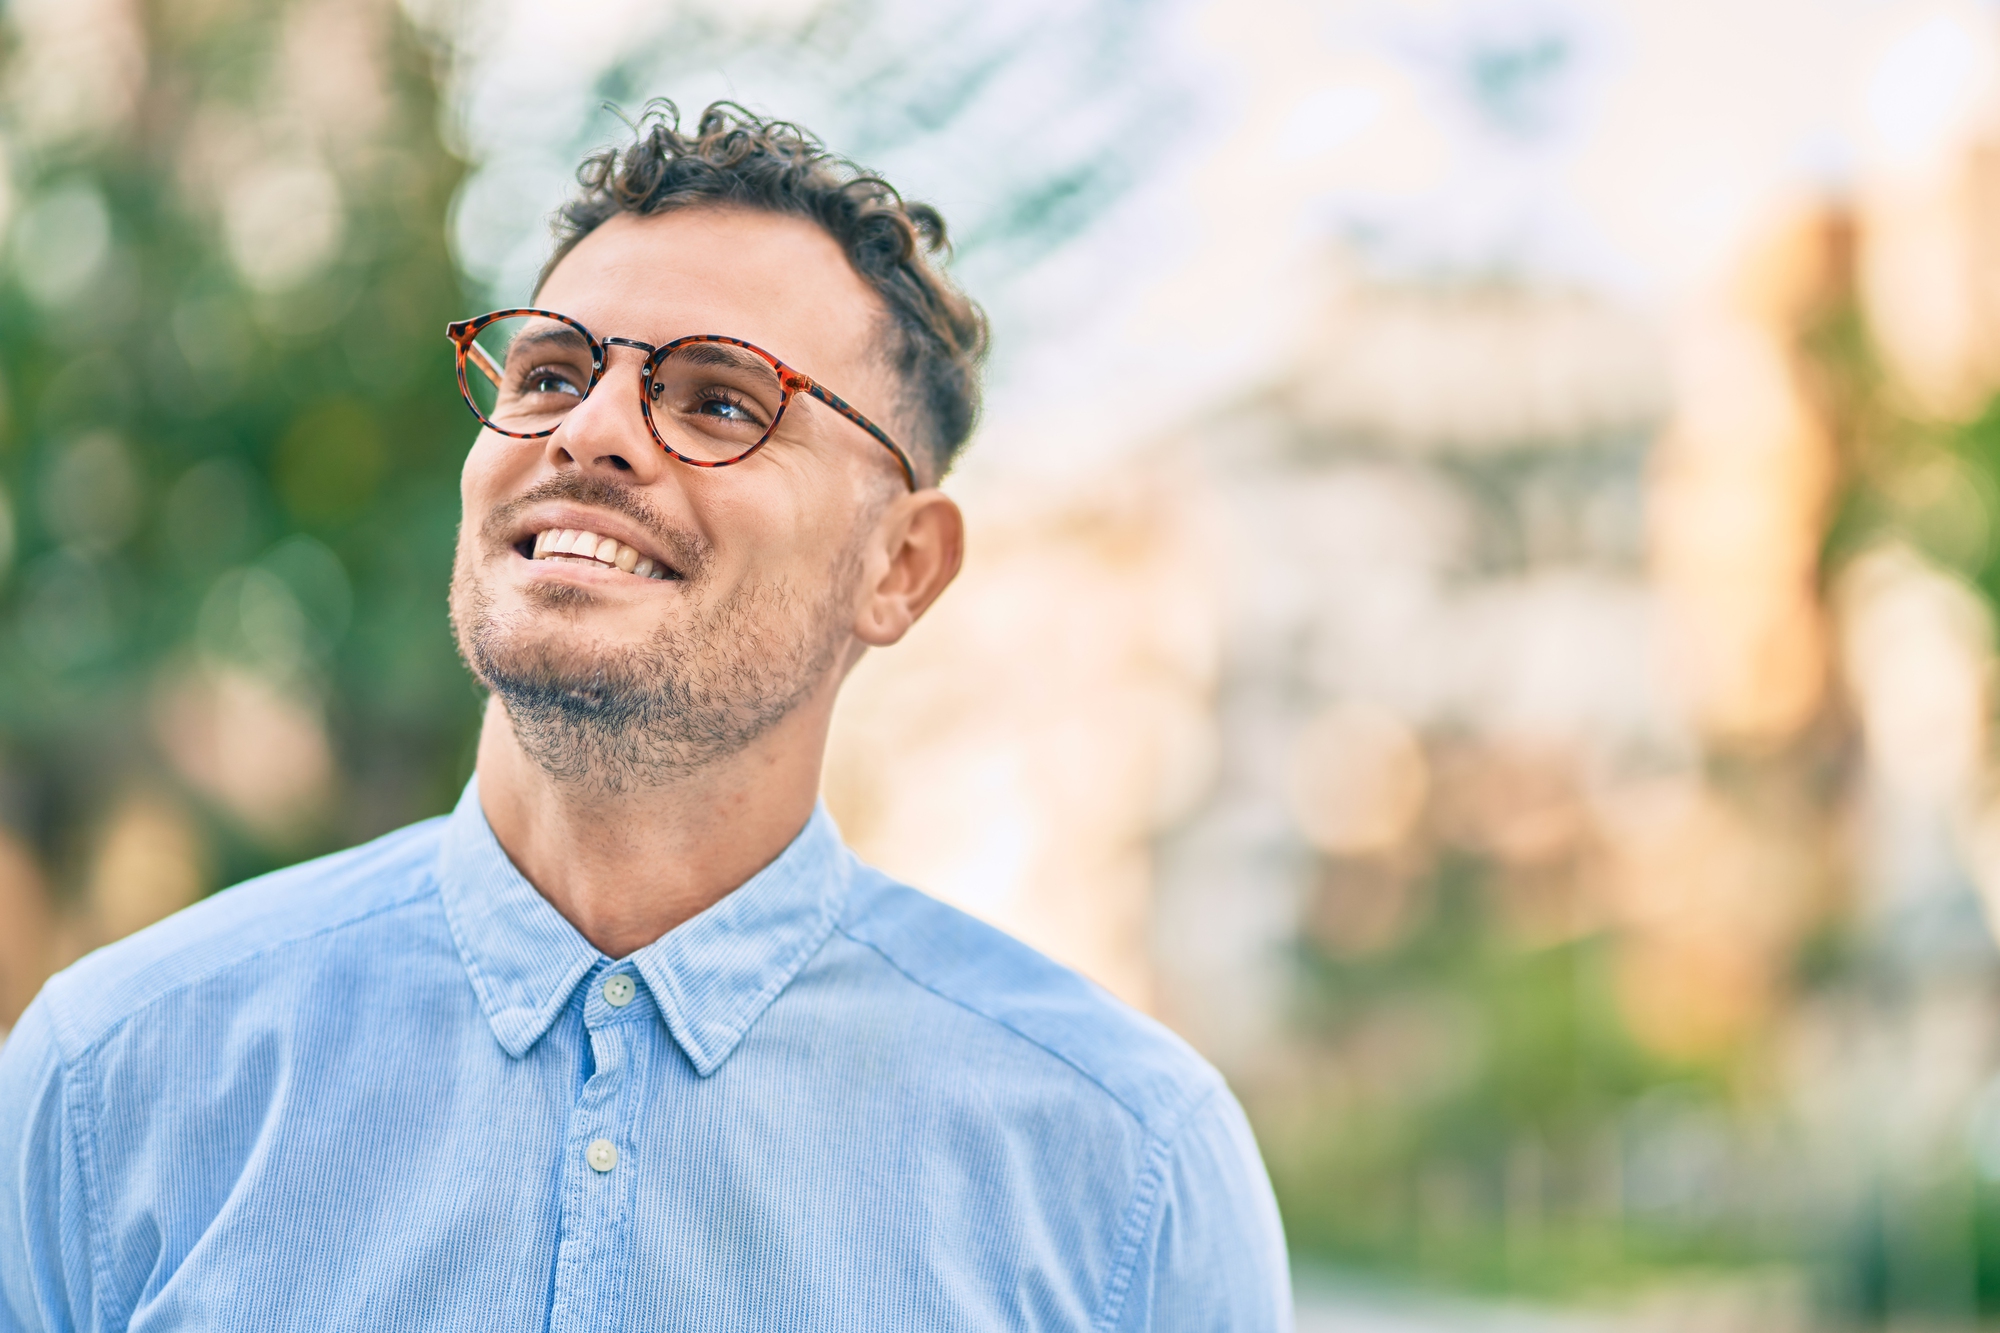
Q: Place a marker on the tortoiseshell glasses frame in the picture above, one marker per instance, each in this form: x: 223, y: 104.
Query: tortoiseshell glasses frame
x: 474, y: 359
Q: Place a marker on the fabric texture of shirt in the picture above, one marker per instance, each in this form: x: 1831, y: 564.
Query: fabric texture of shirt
x: 394, y: 1089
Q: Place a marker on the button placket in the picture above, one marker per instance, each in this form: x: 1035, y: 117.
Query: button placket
x: 591, y: 1253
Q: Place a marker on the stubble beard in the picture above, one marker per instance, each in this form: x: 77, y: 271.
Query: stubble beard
x: 619, y: 718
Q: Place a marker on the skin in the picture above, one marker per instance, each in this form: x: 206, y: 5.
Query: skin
x: 627, y: 853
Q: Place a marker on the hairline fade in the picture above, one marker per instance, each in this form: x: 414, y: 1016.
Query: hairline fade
x: 934, y: 336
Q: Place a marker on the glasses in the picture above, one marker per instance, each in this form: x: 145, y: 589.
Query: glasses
x: 710, y: 401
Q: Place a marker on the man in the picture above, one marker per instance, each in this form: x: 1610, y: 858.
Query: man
x: 630, y: 1040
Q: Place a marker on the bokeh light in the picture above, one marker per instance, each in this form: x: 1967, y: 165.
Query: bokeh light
x: 1480, y: 607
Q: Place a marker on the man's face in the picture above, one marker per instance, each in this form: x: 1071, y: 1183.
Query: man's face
x: 630, y: 678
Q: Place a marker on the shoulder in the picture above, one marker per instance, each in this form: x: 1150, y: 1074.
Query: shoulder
x: 1156, y: 1077
x: 95, y: 995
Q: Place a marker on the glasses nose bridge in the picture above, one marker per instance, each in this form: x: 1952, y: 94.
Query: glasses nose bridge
x: 633, y: 343
x: 645, y: 370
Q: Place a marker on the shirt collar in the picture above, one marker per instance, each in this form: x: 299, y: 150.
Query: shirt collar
x: 711, y: 976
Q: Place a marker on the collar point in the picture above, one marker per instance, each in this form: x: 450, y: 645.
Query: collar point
x: 517, y: 1031
x: 704, y: 1059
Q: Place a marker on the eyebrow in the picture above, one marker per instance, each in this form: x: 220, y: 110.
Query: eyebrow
x: 719, y: 354
x: 539, y: 337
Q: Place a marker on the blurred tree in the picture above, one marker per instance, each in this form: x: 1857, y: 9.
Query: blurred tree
x: 229, y: 447
x: 228, y: 431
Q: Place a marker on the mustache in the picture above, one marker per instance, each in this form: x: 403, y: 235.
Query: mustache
x: 686, y: 550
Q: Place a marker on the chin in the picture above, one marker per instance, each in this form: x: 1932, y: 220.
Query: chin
x: 511, y: 658
x: 549, y: 595
x: 546, y: 627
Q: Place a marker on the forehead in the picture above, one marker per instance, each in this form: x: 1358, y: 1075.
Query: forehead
x: 780, y: 282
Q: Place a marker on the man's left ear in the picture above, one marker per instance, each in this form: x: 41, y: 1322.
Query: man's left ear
x: 918, y: 546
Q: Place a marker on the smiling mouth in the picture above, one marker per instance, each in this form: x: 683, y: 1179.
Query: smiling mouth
x: 588, y: 548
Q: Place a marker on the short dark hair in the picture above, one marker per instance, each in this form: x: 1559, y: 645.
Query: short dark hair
x: 936, y: 336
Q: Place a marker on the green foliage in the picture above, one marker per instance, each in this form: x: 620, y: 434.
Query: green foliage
x: 1478, y: 1117
x: 206, y: 468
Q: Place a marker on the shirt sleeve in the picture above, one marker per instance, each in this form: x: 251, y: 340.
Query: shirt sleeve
x: 1217, y: 1259
x: 44, y: 1255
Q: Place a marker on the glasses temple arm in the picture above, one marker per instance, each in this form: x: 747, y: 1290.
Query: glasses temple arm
x: 478, y: 357
x: 838, y: 404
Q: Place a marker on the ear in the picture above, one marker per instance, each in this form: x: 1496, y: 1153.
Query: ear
x: 919, y: 545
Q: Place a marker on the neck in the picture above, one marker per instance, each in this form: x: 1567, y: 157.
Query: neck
x: 625, y: 867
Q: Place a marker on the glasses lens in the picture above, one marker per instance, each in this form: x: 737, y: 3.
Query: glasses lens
x: 713, y: 401
x: 525, y: 373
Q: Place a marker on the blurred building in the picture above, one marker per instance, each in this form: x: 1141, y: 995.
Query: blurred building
x: 1495, y: 644
x: 1567, y: 826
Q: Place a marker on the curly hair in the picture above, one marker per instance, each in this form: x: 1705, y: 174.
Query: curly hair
x: 936, y: 337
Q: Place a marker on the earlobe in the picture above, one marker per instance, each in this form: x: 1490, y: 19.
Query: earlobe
x: 924, y: 535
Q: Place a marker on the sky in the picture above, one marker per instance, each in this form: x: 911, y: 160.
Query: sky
x: 1170, y: 193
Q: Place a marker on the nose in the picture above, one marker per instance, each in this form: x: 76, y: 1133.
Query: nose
x: 607, y: 431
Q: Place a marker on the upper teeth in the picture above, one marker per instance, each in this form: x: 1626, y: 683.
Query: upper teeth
x: 580, y: 545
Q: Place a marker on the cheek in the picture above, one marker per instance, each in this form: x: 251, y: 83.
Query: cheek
x: 791, y: 527
x: 492, y: 472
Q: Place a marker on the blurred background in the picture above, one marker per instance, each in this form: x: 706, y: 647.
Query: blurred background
x: 1481, y: 601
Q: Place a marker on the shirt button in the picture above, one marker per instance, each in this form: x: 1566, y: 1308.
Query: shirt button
x: 619, y: 990
x: 601, y: 1154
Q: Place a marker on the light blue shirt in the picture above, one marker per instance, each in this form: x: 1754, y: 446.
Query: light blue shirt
x: 394, y: 1089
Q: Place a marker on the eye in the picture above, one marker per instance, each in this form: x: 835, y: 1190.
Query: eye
x: 550, y: 379
x: 725, y: 406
